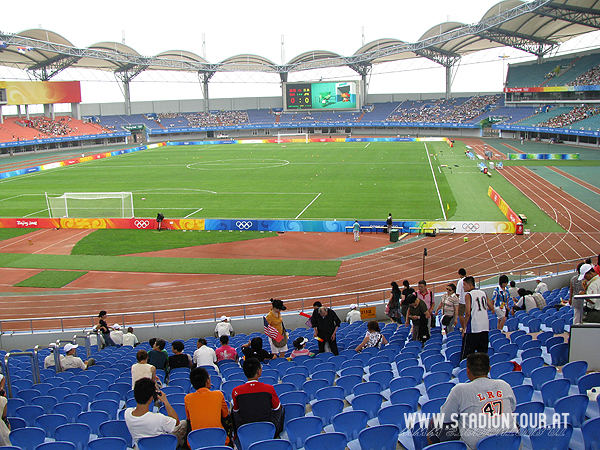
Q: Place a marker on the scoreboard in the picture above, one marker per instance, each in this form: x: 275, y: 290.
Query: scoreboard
x: 319, y: 96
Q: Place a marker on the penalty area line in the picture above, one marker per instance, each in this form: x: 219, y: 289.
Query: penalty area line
x: 313, y: 200
x: 198, y: 210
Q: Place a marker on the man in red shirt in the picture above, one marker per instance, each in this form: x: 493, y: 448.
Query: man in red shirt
x: 225, y: 351
x: 254, y: 401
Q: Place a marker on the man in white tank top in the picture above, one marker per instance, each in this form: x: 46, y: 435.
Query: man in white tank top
x: 477, y: 325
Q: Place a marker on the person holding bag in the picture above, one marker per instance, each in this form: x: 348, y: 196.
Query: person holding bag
x: 276, y: 321
x: 449, y: 307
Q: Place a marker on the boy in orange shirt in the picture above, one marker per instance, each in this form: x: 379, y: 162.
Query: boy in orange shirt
x: 204, y: 408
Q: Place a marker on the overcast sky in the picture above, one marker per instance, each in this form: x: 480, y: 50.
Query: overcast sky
x: 235, y: 27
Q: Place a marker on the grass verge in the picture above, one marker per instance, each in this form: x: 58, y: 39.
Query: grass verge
x: 51, y: 279
x: 126, y: 242
x: 172, y: 265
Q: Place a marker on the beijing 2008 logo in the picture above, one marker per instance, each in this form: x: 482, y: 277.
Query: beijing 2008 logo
x: 141, y: 223
x: 243, y: 224
x: 470, y: 227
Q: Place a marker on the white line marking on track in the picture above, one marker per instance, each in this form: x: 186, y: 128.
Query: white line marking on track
x: 367, y: 145
x: 193, y: 213
x: 56, y: 243
x: 435, y: 181
x: 313, y: 200
x: 41, y: 210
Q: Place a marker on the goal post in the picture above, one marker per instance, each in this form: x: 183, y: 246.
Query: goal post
x: 89, y: 205
x: 295, y: 136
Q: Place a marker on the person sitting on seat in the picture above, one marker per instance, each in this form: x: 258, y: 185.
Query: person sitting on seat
x: 225, y: 351
x: 141, y: 422
x: 70, y: 361
x: 157, y: 357
x: 353, y: 315
x: 178, y: 358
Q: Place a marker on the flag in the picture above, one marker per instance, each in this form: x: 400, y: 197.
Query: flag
x: 271, y: 331
x: 21, y: 49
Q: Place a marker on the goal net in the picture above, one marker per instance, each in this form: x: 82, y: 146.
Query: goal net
x: 295, y: 137
x: 91, y: 205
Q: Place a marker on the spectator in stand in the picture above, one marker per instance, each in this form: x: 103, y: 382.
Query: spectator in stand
x: 205, y: 408
x: 460, y: 291
x: 299, y: 349
x: 327, y: 324
x: 141, y: 422
x: 426, y: 296
x: 224, y: 328
x: 255, y: 401
x: 393, y: 308
x: 373, y: 337
x: 526, y: 302
x: 117, y: 335
x: 467, y: 403
x: 405, y: 293
x: 4, y: 424
x: 225, y: 351
x: 419, y: 314
x: 141, y: 369
x: 541, y: 286
x: 276, y: 321
x: 157, y: 356
x: 576, y: 287
x: 353, y: 315
x: 70, y: 361
x: 48, y: 360
x: 512, y: 290
x: 130, y: 339
x: 592, y: 286
x: 477, y: 328
x: 104, y: 329
x: 254, y: 349
x: 449, y: 307
x: 597, y: 266
x: 204, y: 356
x: 501, y: 298
x: 178, y: 358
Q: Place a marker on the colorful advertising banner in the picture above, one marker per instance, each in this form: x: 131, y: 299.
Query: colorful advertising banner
x: 41, y: 92
x: 552, y: 89
x: 506, y: 210
x: 536, y: 156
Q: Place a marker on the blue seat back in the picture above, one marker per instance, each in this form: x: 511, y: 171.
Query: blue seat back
x: 381, y: 437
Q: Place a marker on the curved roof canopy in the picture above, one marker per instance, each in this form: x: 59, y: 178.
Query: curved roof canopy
x: 535, y: 26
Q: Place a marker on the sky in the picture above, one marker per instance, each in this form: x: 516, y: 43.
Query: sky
x: 237, y: 27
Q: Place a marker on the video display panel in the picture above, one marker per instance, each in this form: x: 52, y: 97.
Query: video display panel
x: 320, y: 96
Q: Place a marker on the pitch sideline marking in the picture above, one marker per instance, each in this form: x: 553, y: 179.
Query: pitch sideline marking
x: 198, y: 210
x: 435, y: 181
x: 313, y: 200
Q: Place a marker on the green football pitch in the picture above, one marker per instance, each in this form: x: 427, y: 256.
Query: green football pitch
x: 315, y: 181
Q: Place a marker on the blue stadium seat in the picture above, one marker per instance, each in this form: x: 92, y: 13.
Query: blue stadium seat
x: 435, y: 378
x: 591, y: 433
x: 547, y: 438
x: 27, y: 438
x: 559, y: 354
x: 513, y: 378
x: 298, y: 430
x: 380, y: 437
x: 112, y: 443
x: 504, y: 442
x: 574, y: 370
x: 270, y: 444
x: 50, y: 422
x: 541, y: 375
x: 350, y: 423
x: 68, y: 409
x: 409, y: 396
x: 326, y: 409
x: 523, y: 393
x: 440, y: 390
x: 553, y: 390
x: 401, y: 383
x: 115, y: 428
x: 370, y: 403
x: 76, y: 433
x: 29, y: 413
x: 530, y: 364
x: 347, y: 383
x: 574, y: 406
x: 205, y: 437
x: 160, y: 442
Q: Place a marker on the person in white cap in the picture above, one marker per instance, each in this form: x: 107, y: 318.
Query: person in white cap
x: 299, y: 349
x: 592, y: 286
x: 71, y: 361
x: 541, y: 286
x: 117, y: 335
x: 224, y: 328
x: 353, y: 315
x: 49, y: 360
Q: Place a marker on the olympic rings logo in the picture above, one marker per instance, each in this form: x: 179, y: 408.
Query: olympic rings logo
x: 470, y: 227
x: 141, y: 223
x: 243, y: 224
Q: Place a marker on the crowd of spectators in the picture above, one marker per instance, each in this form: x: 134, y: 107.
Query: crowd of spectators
x: 207, y: 119
x: 575, y: 115
x: 55, y: 128
x: 446, y: 110
x: 589, y: 78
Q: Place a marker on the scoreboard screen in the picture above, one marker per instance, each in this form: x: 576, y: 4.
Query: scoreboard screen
x: 319, y: 96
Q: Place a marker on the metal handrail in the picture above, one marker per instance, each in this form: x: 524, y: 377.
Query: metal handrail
x: 306, y: 302
x: 34, y: 369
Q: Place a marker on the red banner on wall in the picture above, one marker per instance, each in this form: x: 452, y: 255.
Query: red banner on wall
x: 506, y: 210
x: 42, y: 92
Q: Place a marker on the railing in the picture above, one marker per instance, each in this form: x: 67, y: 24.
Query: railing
x: 35, y: 369
x: 212, y: 313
